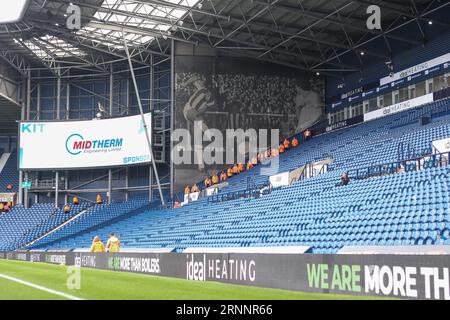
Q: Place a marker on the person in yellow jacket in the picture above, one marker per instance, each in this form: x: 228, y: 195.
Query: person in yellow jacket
x: 113, y: 244
x: 97, y: 245
x: 75, y: 200
x: 98, y: 199
x: 215, y: 179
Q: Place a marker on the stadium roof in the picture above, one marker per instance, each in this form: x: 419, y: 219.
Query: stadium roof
x: 317, y: 35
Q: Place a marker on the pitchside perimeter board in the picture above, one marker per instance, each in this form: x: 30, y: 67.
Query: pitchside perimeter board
x: 46, y: 145
x: 401, y: 276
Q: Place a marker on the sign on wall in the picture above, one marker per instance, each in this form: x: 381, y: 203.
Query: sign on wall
x: 83, y: 144
x: 399, y: 107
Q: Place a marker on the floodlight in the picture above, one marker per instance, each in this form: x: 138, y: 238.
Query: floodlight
x: 13, y: 11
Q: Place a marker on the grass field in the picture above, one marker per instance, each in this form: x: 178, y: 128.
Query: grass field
x: 30, y: 281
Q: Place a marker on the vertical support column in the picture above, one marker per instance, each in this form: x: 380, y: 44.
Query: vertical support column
x: 66, y: 173
x: 111, y: 89
x: 172, y: 108
x: 38, y: 102
x: 111, y: 96
x: 56, y: 189
x: 127, y: 171
x: 126, y: 184
x: 109, y: 185
x: 22, y: 117
x: 38, y: 116
x: 66, y: 186
x: 58, y: 117
x: 28, y: 107
x: 58, y: 94
x: 151, y: 96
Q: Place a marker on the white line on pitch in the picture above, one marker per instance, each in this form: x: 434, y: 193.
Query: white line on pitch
x: 62, y: 294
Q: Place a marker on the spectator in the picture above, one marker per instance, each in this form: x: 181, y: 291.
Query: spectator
x: 223, y: 176
x: 274, y: 152
x: 307, y: 134
x: 241, y: 167
x: 7, y: 207
x: 254, y: 161
x: 177, y: 205
x: 230, y: 172
x: 249, y: 166
x: 98, y: 199
x: 235, y: 169
x: 260, y: 157
x: 215, y: 179
x: 75, y: 200
x: 294, y: 142
x: 187, y: 190
x: 66, y: 209
x: 97, y: 245
x: 281, y: 149
x: 345, y: 180
x: 2, y: 207
x: 194, y: 188
x: 207, y: 182
x: 400, y: 168
x: 9, y: 186
x: 113, y: 244
x: 286, y: 144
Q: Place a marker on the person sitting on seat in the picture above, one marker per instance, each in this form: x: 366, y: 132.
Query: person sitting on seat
x: 9, y: 186
x: 345, y: 180
x: 260, y: 157
x: 281, y: 149
x: 177, y: 204
x: 194, y: 188
x: 294, y: 142
x: 254, y: 161
x: 66, y: 209
x: 241, y: 167
x: 274, y: 152
x: 400, y: 168
x: 207, y: 182
x: 286, y: 144
x: 307, y: 134
x: 75, y: 200
x: 187, y: 190
x: 235, y: 169
x: 230, y: 172
x: 97, y: 245
x: 98, y: 199
x: 250, y: 166
x: 215, y: 179
x: 7, y: 207
x: 223, y: 176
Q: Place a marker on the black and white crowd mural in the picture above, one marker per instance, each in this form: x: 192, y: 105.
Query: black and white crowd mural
x: 232, y: 93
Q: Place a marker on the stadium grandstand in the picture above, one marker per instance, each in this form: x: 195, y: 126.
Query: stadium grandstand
x: 299, y: 148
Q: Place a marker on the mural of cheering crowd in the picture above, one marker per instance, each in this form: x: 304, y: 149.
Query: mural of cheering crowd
x: 236, y: 95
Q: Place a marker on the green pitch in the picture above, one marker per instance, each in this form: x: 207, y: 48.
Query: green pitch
x: 27, y: 280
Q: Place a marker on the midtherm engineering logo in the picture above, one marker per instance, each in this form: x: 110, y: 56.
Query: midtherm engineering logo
x: 76, y: 144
